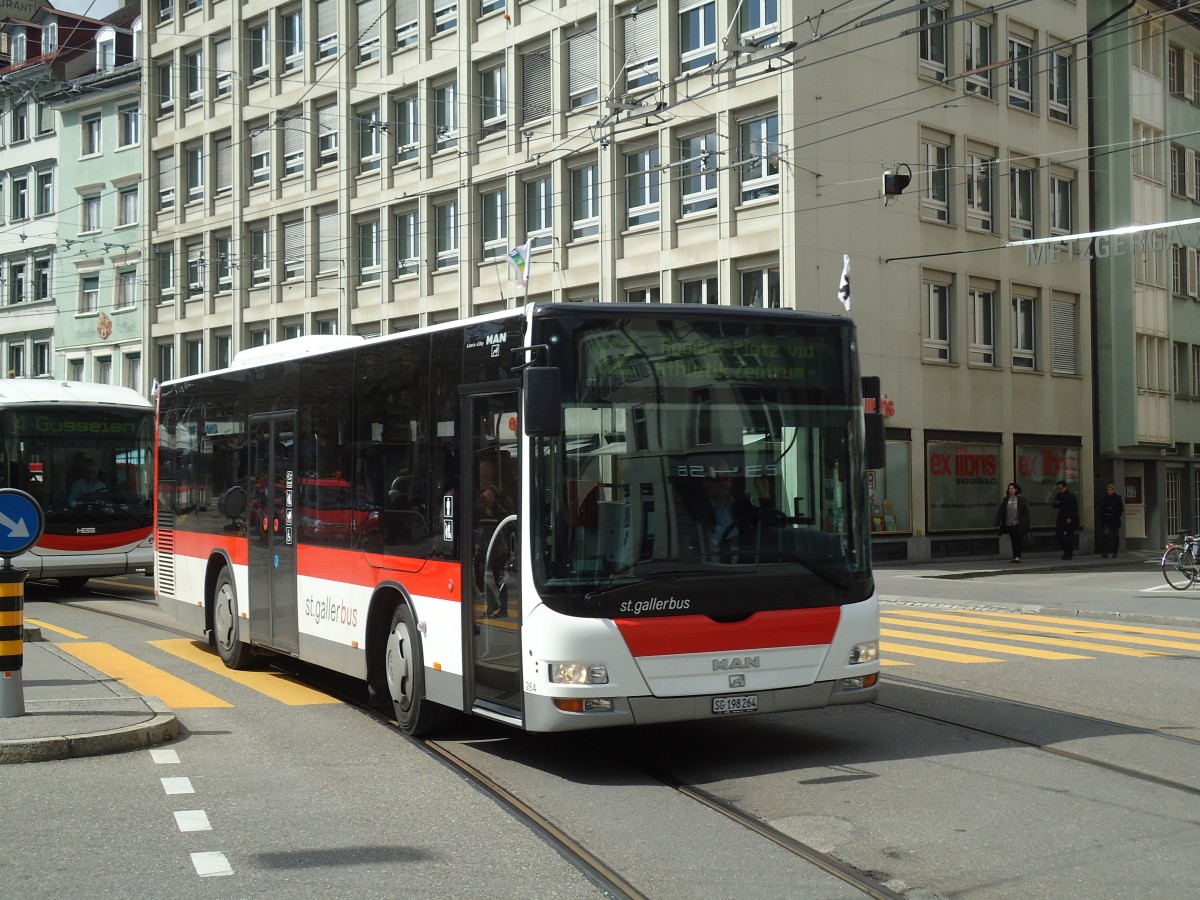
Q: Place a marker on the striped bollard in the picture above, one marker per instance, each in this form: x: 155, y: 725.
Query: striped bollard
x: 12, y: 623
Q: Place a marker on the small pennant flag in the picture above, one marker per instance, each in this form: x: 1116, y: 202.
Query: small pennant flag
x: 844, y: 287
x: 519, y: 258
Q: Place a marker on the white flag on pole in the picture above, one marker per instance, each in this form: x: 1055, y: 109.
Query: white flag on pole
x: 844, y: 287
x: 519, y: 258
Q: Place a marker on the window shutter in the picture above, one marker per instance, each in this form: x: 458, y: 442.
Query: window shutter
x: 224, y: 53
x: 1192, y: 259
x: 1062, y: 337
x: 224, y: 160
x: 407, y: 11
x: 293, y: 136
x: 260, y: 141
x: 327, y: 120
x: 293, y: 242
x: 641, y: 34
x: 166, y: 173
x: 328, y: 241
x: 327, y: 18
x: 583, y: 58
x: 536, y: 81
x: 368, y: 21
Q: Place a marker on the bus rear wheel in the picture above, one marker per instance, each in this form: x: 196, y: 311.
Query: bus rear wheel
x: 404, y: 671
x: 234, y: 652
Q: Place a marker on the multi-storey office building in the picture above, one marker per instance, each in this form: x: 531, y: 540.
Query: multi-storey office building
x: 1146, y: 131
x: 360, y: 168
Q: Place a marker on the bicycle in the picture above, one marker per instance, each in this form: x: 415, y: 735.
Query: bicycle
x: 1179, y: 562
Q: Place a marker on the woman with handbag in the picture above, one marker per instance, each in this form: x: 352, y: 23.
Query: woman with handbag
x: 1012, y: 518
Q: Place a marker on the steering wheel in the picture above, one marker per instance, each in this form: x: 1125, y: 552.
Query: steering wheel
x: 769, y: 517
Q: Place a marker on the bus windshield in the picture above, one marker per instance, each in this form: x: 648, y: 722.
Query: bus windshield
x: 722, y: 455
x: 87, y: 466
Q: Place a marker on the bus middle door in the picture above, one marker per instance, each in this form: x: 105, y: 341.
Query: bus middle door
x: 271, y: 533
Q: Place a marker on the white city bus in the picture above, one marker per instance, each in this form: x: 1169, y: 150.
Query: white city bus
x: 563, y: 517
x: 84, y: 452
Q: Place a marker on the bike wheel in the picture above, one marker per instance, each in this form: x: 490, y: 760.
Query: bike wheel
x: 1179, y: 568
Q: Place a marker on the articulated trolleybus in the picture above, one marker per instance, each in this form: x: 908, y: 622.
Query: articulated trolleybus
x: 568, y: 516
x: 84, y: 452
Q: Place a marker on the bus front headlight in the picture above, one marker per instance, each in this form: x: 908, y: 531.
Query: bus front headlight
x: 578, y: 673
x: 866, y: 652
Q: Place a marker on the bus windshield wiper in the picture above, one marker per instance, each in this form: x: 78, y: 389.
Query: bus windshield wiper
x: 640, y: 579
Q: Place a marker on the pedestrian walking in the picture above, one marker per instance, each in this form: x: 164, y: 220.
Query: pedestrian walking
x: 1111, y: 510
x: 1012, y: 518
x: 1067, y: 520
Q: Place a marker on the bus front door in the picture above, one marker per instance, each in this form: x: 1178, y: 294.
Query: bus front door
x: 271, y: 532
x: 493, y: 530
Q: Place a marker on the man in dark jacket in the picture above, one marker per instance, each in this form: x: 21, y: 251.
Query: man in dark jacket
x: 1111, y: 510
x: 1067, y: 520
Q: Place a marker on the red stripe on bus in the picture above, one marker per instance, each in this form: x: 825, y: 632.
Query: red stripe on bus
x: 669, y: 635
x: 201, y: 546
x: 92, y: 542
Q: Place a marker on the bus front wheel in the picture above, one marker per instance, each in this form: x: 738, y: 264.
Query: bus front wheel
x: 405, y: 674
x: 234, y: 652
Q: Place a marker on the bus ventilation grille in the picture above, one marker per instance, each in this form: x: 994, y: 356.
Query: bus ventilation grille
x: 164, y: 553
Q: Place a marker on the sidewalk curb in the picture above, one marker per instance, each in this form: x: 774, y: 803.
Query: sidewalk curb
x: 162, y: 727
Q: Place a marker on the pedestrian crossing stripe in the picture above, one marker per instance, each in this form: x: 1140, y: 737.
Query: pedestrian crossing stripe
x: 37, y: 623
x: 929, y: 653
x: 1029, y: 638
x: 982, y: 645
x: 1028, y: 624
x: 275, y: 685
x: 145, y: 679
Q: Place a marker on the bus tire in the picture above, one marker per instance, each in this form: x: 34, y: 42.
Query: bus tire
x: 234, y: 652
x: 404, y: 673
x: 73, y: 582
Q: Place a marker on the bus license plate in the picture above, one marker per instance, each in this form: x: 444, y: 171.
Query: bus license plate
x: 744, y: 703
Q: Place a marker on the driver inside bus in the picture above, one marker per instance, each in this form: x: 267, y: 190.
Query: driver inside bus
x: 89, y: 484
x: 723, y: 507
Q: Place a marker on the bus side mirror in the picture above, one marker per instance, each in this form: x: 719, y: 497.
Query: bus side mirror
x: 543, y: 402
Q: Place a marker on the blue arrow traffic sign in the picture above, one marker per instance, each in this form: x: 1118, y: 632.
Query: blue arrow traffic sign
x: 20, y: 522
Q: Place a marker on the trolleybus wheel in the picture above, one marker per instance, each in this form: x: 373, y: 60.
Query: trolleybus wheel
x: 1179, y: 568
x: 73, y: 582
x: 405, y: 673
x: 226, y: 625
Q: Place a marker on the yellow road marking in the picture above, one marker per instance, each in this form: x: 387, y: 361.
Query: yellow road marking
x: 1094, y: 626
x: 146, y: 588
x: 981, y: 645
x: 945, y: 655
x: 56, y: 629
x: 275, y: 685
x: 1026, y: 638
x: 147, y: 680
x: 887, y: 663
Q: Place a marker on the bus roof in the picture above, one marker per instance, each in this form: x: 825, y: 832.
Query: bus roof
x: 293, y: 348
x: 21, y: 391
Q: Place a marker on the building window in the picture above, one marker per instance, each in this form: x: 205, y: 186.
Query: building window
x: 327, y: 30
x: 368, y: 251
x: 223, y: 261
x: 937, y: 322
x: 292, y: 25
x: 979, y: 59
x: 165, y: 257
x: 701, y: 290
x: 370, y: 138
x: 759, y: 158
x: 445, y: 16
x: 490, y: 6
x: 758, y: 22
x: 89, y: 136
x: 583, y: 79
x: 760, y: 288
x: 642, y: 295
x: 368, y: 30
x: 641, y: 187
x: 983, y: 327
x: 193, y: 75
x: 536, y: 79
x: 445, y: 116
x: 166, y: 182
x: 41, y: 278
x: 698, y: 173
x: 585, y: 201
x: 697, y: 34
x: 195, y: 268
x: 406, y: 226
x: 166, y: 361
x: 20, y: 199
x: 327, y: 134
x: 407, y: 124
x: 90, y: 213
x: 260, y: 152
x: 932, y: 31
x: 16, y: 283
x: 981, y: 171
x: 104, y: 370
x: 89, y: 293
x: 223, y: 157
x: 1020, y: 73
x: 259, y: 49
x: 223, y: 52
x: 49, y: 37
x: 539, y: 211
x: 1145, y: 153
x: 641, y: 45
x: 126, y: 289
x: 129, y: 120
x: 127, y: 206
x: 293, y: 249
x: 166, y: 88
x: 1024, y: 332
x: 294, y: 135
x: 260, y: 255
x: 16, y: 361
x: 75, y: 370
x: 1179, y: 269
x: 446, y: 234
x: 41, y: 359
x: 407, y: 14
x: 166, y: 10
x: 194, y: 163
x: 329, y: 241
x: 493, y: 99
x: 19, y: 123
x: 1063, y: 336
x: 43, y: 201
x: 1020, y: 201
x: 495, y: 223
x: 1177, y: 159
x: 1061, y: 205
x: 222, y: 350
x: 1145, y: 49
x: 1058, y: 80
